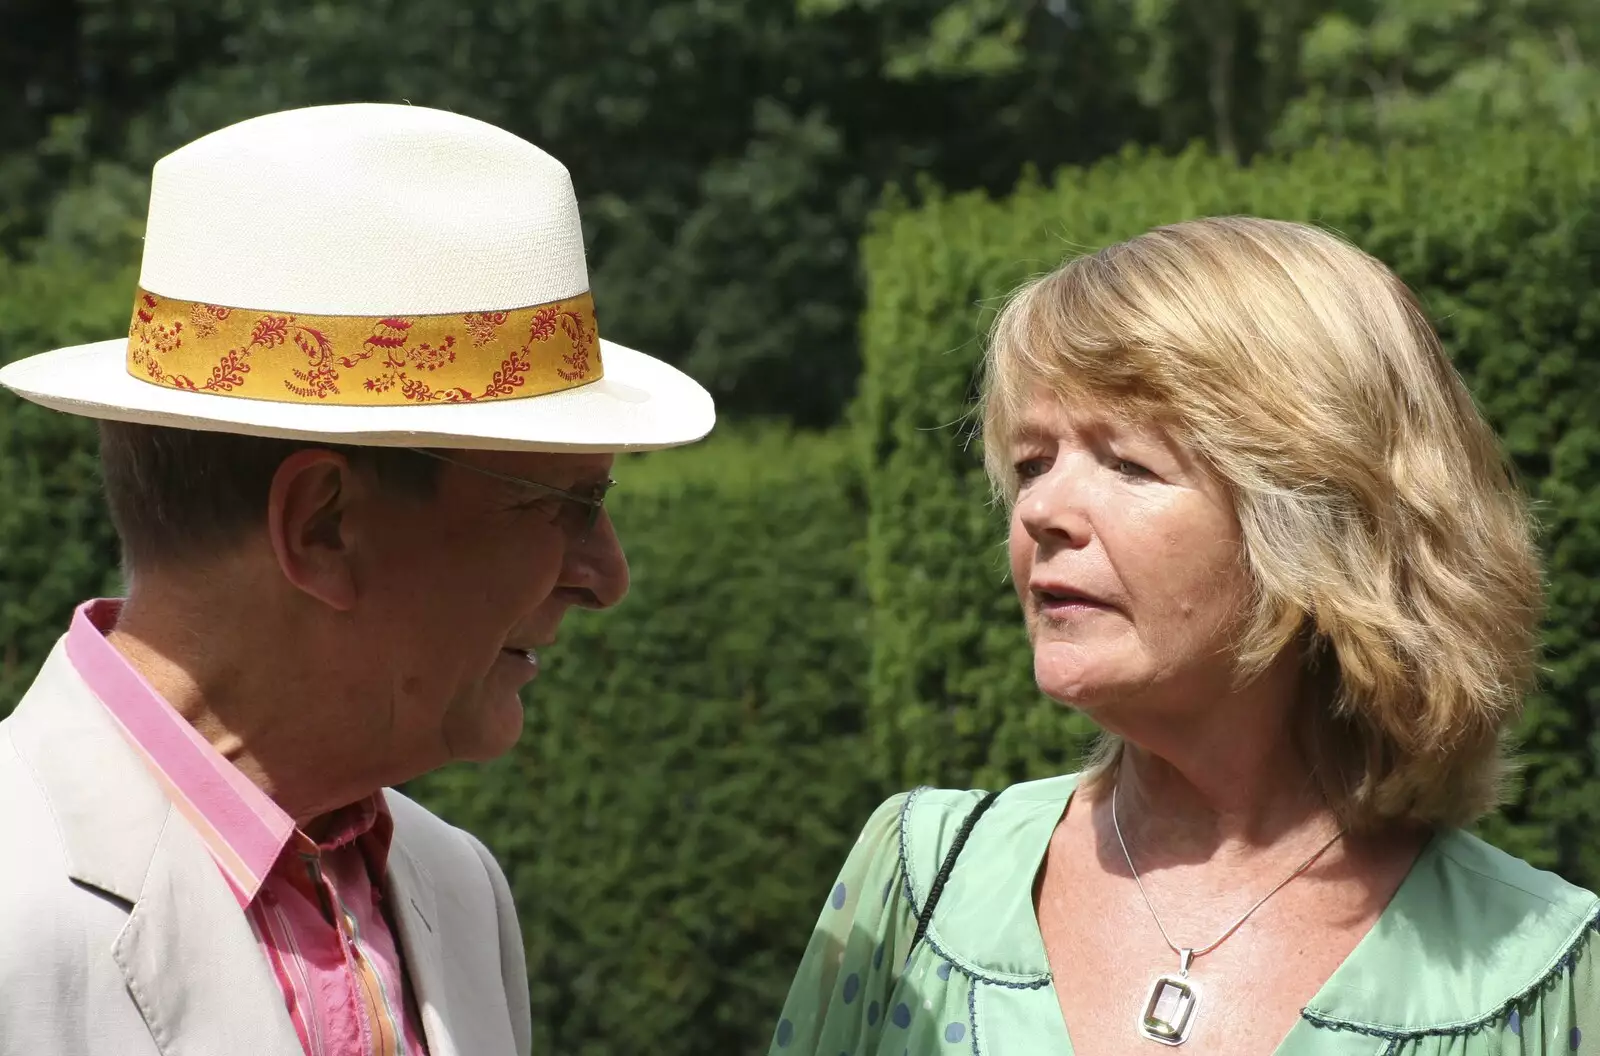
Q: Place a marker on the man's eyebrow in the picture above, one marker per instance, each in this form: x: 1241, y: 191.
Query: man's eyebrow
x: 592, y: 478
x: 584, y: 483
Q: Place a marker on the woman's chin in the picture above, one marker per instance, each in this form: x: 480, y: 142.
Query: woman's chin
x: 1088, y: 703
x: 1091, y: 674
x: 1076, y: 685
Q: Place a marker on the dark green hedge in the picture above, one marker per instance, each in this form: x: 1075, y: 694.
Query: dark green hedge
x: 56, y: 545
x: 1499, y: 234
x: 692, y: 771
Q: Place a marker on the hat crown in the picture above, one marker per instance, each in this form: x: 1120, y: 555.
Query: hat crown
x: 363, y: 209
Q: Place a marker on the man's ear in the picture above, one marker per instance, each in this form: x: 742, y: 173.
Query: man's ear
x: 306, y: 523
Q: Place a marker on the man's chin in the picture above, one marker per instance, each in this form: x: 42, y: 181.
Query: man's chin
x: 487, y: 727
x: 497, y: 736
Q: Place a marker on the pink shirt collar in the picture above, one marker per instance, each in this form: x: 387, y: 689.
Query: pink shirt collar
x: 241, y: 826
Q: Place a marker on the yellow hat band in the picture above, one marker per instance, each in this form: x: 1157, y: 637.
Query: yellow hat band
x: 364, y: 360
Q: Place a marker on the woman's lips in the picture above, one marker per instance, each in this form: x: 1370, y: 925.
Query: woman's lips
x: 1064, y: 605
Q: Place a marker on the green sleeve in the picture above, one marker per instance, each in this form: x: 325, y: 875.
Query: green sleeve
x: 838, y: 999
x: 1561, y: 1016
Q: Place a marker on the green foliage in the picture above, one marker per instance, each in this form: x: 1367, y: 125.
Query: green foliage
x: 1409, y: 69
x: 961, y: 37
x: 1497, y: 233
x: 692, y: 771
x: 56, y: 545
x: 1218, y: 69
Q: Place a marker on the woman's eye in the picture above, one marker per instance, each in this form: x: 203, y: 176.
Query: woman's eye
x: 1130, y: 469
x: 1029, y: 468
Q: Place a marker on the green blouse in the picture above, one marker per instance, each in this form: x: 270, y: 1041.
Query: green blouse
x: 1477, y: 953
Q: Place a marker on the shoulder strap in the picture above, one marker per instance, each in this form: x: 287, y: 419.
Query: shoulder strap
x: 937, y: 887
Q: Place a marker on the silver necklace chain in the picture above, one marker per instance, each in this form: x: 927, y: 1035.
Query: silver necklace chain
x: 1188, y: 954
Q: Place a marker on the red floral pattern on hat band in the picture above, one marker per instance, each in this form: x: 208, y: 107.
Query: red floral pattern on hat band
x: 287, y: 357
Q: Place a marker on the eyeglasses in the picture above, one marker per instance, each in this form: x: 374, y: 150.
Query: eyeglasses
x: 593, y: 501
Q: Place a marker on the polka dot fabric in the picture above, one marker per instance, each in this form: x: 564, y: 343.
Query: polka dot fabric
x: 855, y: 993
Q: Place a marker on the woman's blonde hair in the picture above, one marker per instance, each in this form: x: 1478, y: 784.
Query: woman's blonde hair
x: 1384, y: 533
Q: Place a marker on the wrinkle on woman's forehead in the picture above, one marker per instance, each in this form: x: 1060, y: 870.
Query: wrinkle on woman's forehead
x: 1051, y: 416
x: 1081, y: 407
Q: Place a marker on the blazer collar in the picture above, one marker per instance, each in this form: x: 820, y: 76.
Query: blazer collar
x: 191, y: 960
x: 411, y: 893
x: 107, y: 805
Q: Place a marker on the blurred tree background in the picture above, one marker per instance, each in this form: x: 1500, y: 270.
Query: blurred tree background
x: 697, y: 762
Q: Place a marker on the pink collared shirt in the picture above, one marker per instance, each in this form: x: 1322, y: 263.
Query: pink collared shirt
x: 316, y: 905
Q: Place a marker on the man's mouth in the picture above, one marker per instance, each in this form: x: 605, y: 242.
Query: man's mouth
x: 527, y: 656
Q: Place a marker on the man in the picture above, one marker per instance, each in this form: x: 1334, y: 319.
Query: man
x: 356, y: 447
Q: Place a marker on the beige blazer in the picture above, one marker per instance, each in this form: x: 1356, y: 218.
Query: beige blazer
x: 119, y: 936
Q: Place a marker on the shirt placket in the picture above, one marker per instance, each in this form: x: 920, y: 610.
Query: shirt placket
x: 359, y: 966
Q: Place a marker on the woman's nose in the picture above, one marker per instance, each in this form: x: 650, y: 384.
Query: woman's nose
x: 1054, y: 508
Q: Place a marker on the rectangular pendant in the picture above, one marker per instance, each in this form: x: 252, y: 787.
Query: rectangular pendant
x: 1169, y: 1011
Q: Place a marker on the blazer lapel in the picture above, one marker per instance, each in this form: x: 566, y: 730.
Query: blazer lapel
x: 411, y: 895
x: 192, y: 962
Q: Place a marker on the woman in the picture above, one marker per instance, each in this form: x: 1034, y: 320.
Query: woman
x: 1263, y: 539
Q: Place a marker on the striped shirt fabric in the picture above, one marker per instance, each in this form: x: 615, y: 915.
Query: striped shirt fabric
x: 315, y: 903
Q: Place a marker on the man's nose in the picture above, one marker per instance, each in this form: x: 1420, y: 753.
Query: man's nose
x: 596, y: 567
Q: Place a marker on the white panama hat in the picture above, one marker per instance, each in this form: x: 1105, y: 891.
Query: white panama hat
x: 370, y: 274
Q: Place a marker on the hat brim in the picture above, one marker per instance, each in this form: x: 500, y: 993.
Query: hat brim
x: 640, y: 404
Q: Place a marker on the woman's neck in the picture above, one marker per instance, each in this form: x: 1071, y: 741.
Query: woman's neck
x: 1229, y: 780
x: 1228, y: 809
